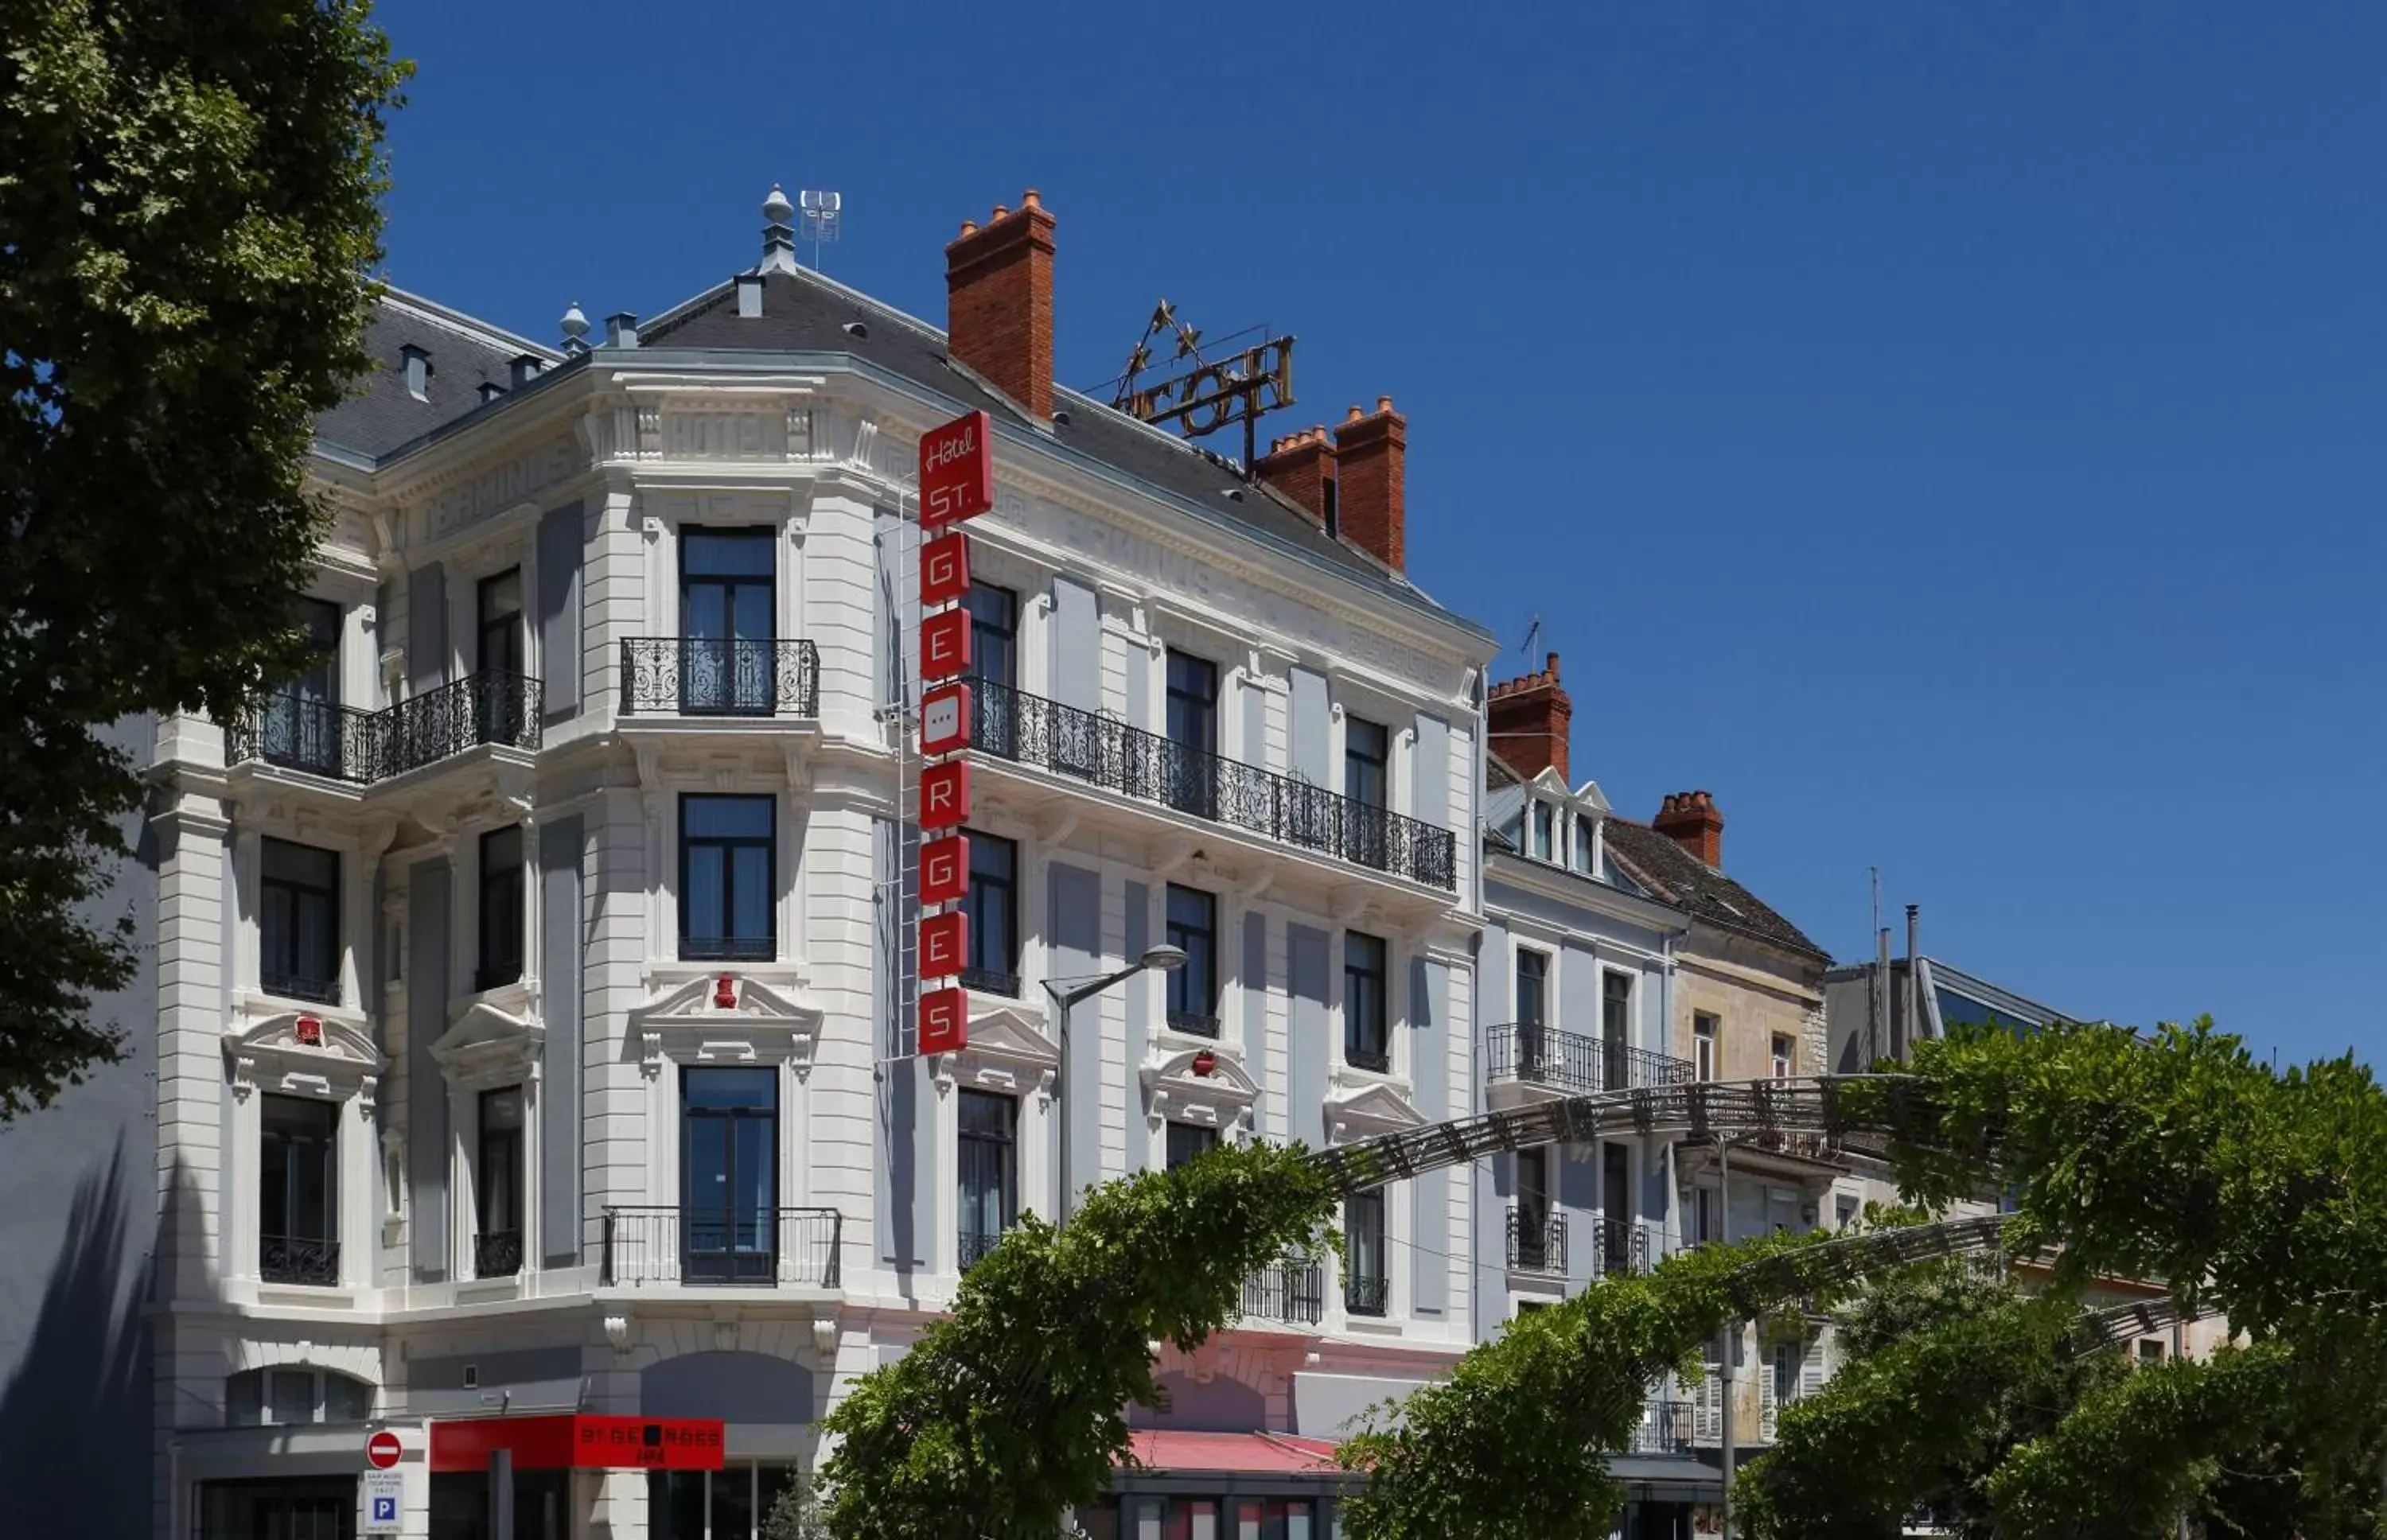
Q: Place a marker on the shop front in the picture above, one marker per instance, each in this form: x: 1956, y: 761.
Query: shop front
x: 553, y: 1472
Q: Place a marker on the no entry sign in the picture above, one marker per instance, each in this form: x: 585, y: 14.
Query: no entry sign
x: 383, y: 1450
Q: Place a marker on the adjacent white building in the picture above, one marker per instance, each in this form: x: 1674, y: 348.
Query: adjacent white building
x: 531, y: 979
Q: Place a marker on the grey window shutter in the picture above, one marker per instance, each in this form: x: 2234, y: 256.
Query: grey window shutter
x: 559, y: 1091
x: 562, y: 549
x: 1309, y: 730
x: 1077, y: 646
x: 426, y: 629
x: 426, y: 1101
x: 1312, y: 1048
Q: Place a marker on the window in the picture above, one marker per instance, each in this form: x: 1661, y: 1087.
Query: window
x: 298, y: 1191
x: 1787, y: 1358
x: 993, y: 906
x: 1544, y: 827
x: 1703, y: 1046
x: 1533, y: 1014
x: 1207, y: 1518
x: 1782, y: 1059
x: 499, y: 703
x: 1530, y: 1236
x: 727, y: 875
x: 1194, y: 989
x: 730, y: 1175
x: 2151, y: 1350
x: 1367, y: 783
x: 728, y: 652
x: 297, y: 1393
x: 988, y: 1127
x: 1586, y: 848
x: 994, y: 661
x: 299, y: 922
x: 1366, y: 1285
x: 497, y: 1248
x: 728, y: 1504
x: 1845, y: 1209
x: 501, y: 908
x: 1190, y: 777
x: 1188, y: 1140
x: 1366, y: 1042
x: 1615, y: 1029
x: 1707, y: 1221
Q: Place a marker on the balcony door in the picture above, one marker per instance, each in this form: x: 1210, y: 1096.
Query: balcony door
x: 994, y: 664
x: 498, y: 659
x: 298, y: 1191
x: 1616, y: 1206
x: 1189, y: 780
x: 730, y: 1175
x: 1367, y: 791
x: 728, y: 608
x: 301, y: 723
x: 988, y: 1128
x: 1533, y: 1014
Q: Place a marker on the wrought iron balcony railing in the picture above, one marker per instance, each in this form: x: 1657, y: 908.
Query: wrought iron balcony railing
x: 1368, y: 1055
x: 365, y: 747
x: 1537, y: 1240
x: 972, y: 1245
x: 322, y: 991
x: 785, y: 1247
x: 496, y: 1254
x: 1294, y: 1290
x: 1193, y: 1024
x: 1367, y: 1294
x: 1664, y: 1428
x: 728, y: 948
x: 991, y: 982
x: 1618, y: 1247
x: 1014, y: 725
x: 1536, y: 1054
x: 298, y: 1259
x: 719, y: 676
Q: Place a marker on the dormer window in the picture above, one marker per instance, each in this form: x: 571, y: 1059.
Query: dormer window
x: 1587, y: 850
x: 1545, y: 825
x: 418, y: 371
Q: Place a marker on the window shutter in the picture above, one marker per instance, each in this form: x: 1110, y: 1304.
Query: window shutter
x: 1812, y: 1369
x: 1706, y: 1408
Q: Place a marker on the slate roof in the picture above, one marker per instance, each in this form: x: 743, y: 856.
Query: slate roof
x: 380, y: 415
x: 804, y: 312
x: 1676, y: 875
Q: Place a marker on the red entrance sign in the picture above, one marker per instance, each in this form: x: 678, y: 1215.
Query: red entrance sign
x: 944, y: 1021
x: 944, y: 870
x: 945, y: 720
x: 945, y: 945
x: 944, y: 569
x: 579, y: 1442
x: 383, y: 1450
x: 945, y: 645
x: 956, y: 471
x: 945, y: 794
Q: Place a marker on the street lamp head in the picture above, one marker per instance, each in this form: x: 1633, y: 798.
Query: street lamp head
x: 1168, y: 959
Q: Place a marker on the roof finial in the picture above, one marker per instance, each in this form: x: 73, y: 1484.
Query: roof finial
x: 576, y: 329
x: 776, y: 210
x: 778, y: 235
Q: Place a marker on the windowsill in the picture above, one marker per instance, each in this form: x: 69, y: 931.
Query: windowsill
x: 255, y: 1004
x: 1372, y: 1326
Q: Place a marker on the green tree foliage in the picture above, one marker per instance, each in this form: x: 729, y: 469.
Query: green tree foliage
x: 188, y: 207
x: 1944, y: 1371
x: 1013, y: 1407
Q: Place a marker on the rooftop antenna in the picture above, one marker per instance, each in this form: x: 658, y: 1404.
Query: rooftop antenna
x: 822, y: 220
x: 1533, y: 634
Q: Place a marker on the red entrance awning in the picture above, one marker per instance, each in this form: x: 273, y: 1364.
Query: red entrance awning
x: 1248, y: 1454
x: 577, y: 1441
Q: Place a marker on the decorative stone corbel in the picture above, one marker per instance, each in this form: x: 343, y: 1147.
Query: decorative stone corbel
x: 244, y: 1077
x: 942, y: 1069
x: 617, y: 1333
x: 1044, y: 1090
x: 1056, y: 828
x: 825, y: 1340
x: 651, y: 1055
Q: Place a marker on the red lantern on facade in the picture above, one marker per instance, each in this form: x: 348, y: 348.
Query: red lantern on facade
x: 725, y: 994
x: 310, y: 1032
x: 1205, y: 1064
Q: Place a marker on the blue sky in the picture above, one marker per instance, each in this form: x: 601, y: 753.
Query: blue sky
x: 1949, y: 432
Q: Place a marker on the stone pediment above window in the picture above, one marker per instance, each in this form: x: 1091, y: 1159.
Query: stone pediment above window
x: 1207, y: 1085
x: 314, y: 1053
x: 1357, y: 1109
x: 494, y: 1039
x: 729, y: 1018
x: 1008, y: 1051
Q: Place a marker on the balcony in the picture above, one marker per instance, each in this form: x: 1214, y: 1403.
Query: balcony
x: 1367, y: 1294
x: 1028, y: 729
x: 1532, y: 1055
x: 496, y: 1254
x: 719, y: 676
x: 1618, y: 1247
x: 296, y: 1259
x: 972, y: 1245
x: 1291, y: 1290
x: 1664, y: 1429
x: 302, y: 986
x: 783, y: 1248
x: 363, y: 748
x: 1536, y: 1241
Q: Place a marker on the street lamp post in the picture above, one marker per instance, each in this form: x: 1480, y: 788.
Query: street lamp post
x: 1067, y: 993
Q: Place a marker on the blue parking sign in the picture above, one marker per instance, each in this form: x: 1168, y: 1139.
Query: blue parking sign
x: 377, y: 1506
x: 384, y: 1510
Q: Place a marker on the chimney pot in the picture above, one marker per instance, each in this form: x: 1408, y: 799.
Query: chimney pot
x: 1028, y: 200
x: 1302, y: 466
x: 1353, y: 414
x: 1690, y: 819
x: 525, y: 368
x: 1383, y: 403
x: 999, y: 304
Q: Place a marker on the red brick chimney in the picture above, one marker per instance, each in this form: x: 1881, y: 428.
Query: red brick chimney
x: 1690, y: 820
x: 1528, y: 719
x: 1369, y: 449
x: 1302, y: 466
x: 998, y: 302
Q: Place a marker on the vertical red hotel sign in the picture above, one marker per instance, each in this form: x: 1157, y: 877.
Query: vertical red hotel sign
x: 957, y: 484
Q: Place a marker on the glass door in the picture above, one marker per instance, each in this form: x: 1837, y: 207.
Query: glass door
x: 729, y: 651
x: 730, y: 1175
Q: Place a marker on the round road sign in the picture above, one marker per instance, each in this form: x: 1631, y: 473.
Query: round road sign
x: 383, y: 1450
